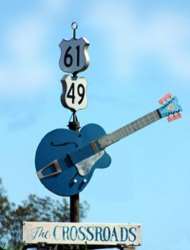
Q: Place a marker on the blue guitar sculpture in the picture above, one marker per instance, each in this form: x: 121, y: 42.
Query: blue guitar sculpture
x: 65, y: 160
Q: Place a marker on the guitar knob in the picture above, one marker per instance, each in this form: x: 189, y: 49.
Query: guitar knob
x: 84, y: 181
x: 75, y: 181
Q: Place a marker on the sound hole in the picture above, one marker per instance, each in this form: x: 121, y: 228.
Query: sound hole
x: 63, y: 144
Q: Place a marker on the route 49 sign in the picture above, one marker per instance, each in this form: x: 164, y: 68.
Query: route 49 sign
x: 74, y: 56
x: 74, y: 92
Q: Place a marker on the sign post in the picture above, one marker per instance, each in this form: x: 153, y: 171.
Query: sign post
x: 74, y: 58
x: 74, y: 199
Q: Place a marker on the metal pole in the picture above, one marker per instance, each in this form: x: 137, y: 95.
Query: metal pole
x: 74, y: 208
x: 74, y: 199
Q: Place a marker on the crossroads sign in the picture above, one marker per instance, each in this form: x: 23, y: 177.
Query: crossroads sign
x: 82, y: 233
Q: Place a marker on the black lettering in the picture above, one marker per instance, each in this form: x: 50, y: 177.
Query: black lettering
x: 68, y: 59
x: 106, y: 234
x: 81, y: 92
x: 114, y: 234
x: 71, y: 93
x: 132, y: 234
x: 98, y: 233
x: 124, y: 234
x: 55, y: 231
x: 81, y: 233
x: 65, y: 233
x: 90, y: 233
x: 78, y: 55
x: 36, y: 234
x: 73, y: 233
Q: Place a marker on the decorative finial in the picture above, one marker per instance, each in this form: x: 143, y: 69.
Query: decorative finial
x: 74, y: 27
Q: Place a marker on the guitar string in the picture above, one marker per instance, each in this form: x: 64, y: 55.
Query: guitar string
x: 128, y: 129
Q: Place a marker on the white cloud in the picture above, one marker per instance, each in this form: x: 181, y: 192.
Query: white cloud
x: 161, y: 34
x: 54, y: 6
x: 25, y: 38
x: 22, y: 79
x: 25, y: 42
x: 25, y: 69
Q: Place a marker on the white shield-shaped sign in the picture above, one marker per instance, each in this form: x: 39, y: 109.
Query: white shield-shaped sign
x: 74, y: 55
x: 74, y: 95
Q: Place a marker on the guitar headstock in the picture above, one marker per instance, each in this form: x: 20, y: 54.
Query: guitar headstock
x: 170, y: 107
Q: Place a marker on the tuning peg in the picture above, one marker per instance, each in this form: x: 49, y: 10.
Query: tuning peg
x: 174, y: 117
x: 170, y: 118
x: 177, y: 116
x: 165, y: 98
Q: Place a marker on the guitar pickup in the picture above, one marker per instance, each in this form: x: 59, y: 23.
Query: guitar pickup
x: 52, y: 169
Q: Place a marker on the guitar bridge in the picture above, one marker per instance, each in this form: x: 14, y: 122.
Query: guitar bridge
x: 85, y: 166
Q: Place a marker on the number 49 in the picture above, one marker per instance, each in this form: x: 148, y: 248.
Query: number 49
x: 76, y: 93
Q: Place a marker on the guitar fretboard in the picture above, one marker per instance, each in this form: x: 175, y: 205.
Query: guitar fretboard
x: 128, y: 129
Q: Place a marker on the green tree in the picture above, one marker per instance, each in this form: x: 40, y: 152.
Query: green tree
x: 5, y: 210
x: 33, y: 208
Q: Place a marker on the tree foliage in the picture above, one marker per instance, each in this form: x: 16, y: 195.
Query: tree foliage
x: 34, y: 208
x: 5, y: 210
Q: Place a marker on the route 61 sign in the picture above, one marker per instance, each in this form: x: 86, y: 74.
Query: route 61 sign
x: 74, y: 56
x: 74, y: 92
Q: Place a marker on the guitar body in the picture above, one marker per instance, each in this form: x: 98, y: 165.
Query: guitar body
x: 56, y: 170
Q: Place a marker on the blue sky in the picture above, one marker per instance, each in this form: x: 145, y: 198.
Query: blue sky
x: 139, y: 50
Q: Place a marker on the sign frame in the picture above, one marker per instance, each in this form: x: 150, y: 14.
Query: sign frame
x: 74, y: 55
x: 76, y: 89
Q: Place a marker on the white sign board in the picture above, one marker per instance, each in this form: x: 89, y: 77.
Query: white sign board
x: 74, y: 92
x: 81, y: 233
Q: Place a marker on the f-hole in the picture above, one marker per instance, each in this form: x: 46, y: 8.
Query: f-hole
x: 63, y: 144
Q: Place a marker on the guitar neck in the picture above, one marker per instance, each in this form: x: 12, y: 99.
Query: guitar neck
x: 128, y: 129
